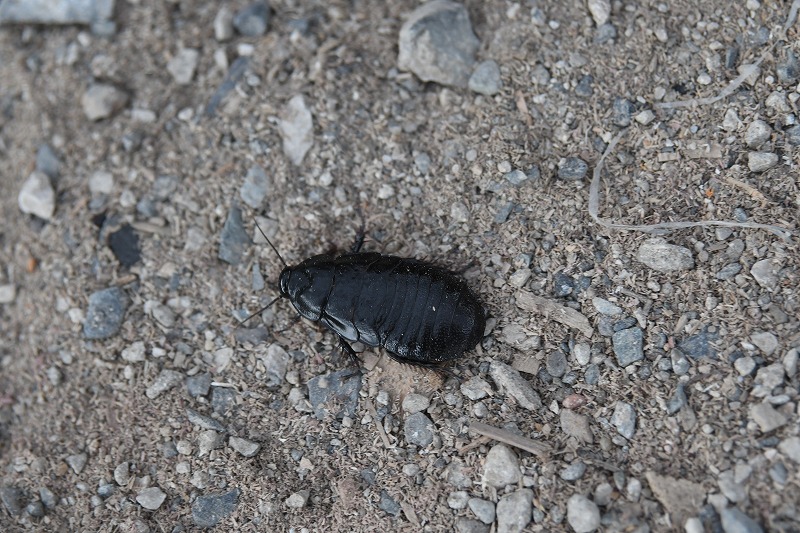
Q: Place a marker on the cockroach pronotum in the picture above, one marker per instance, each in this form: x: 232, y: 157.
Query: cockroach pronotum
x: 420, y: 313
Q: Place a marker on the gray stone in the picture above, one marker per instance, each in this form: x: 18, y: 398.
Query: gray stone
x: 208, y: 510
x: 790, y: 447
x: 243, y: 446
x: 296, y: 127
x: 459, y: 212
x: 790, y: 362
x: 35, y: 509
x: 252, y: 20
x: 183, y: 65
x: 514, y: 511
x: 202, y: 421
x: 223, y: 24
x: 151, y: 498
x: 486, y: 79
x: 458, y: 499
x: 134, y: 353
x: 501, y: 467
x: 105, y: 313
x: 468, y: 525
x: 475, y: 388
x: 437, y: 43
x: 735, y: 492
x: 604, y: 307
x: 768, y: 378
x: 735, y: 521
x: 77, y: 462
x: 680, y: 363
x: 165, y: 380
x: 37, y: 197
x: 761, y: 161
x: 572, y: 169
x: 483, y: 509
x: 337, y: 392
x: 102, y: 101
x: 628, y: 346
x: 621, y: 112
x: 209, y: 440
x: 765, y: 272
x: 576, y: 425
x: 458, y: 475
x: 510, y: 380
x: 659, y: 255
x: 600, y: 10
x: 419, y: 430
x: 793, y: 135
x: 255, y: 187
x: 788, y: 69
x: 198, y: 385
x: 556, y: 363
x: 678, y: 400
x: 624, y: 419
x: 574, y: 471
x: 766, y: 341
x: 388, y: 504
x: 101, y: 182
x: 602, y: 494
x: 582, y: 514
x: 745, y: 365
x: 161, y: 313
x: 12, y: 499
x: 47, y: 161
x: 414, y: 403
x: 767, y: 418
x: 122, y: 474
x: 276, y: 362
x: 757, y: 133
x: 234, y: 240
x: 55, y: 11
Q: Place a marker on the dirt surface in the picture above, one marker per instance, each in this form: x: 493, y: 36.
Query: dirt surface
x: 84, y: 431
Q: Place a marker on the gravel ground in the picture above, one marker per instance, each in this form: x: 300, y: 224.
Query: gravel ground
x: 627, y: 381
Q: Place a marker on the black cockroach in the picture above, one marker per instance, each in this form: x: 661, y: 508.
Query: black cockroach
x: 420, y: 313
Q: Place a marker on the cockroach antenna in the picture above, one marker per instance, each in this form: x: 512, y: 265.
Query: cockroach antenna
x: 270, y: 245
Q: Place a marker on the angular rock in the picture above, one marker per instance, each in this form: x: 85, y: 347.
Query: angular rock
x: 183, y: 66
x: 484, y: 510
x: 501, y: 467
x: 680, y: 497
x: 234, y: 240
x: 757, y: 133
x: 243, y: 446
x: 514, y: 511
x: 336, y: 392
x: 105, y: 313
x: 276, y: 361
x: 296, y: 127
x: 572, y: 169
x: 252, y: 21
x: 657, y: 254
x: 437, y: 43
x: 510, y: 380
x: 102, y: 100
x: 765, y: 272
x: 628, y: 346
x: 767, y: 418
x: 583, y: 514
x: 576, y: 425
x: 37, y: 197
x: 419, y: 430
x: 486, y: 79
x: 255, y: 187
x: 600, y: 11
x: 624, y: 419
x: 761, y: 161
x: 735, y: 521
x: 790, y: 447
x: 151, y: 498
x: 55, y: 11
x: 208, y: 510
x: 165, y: 380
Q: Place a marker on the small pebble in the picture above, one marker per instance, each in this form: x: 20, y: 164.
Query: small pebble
x: 572, y: 169
x: 735, y: 521
x: 486, y: 79
x: 756, y: 134
x: 475, y: 388
x: 419, y: 430
x: 77, y: 462
x: 574, y: 471
x: 223, y: 24
x: 624, y: 419
x: 243, y: 446
x: 414, y: 403
x: 576, y: 425
x: 183, y: 66
x: 458, y: 499
x: 165, y: 380
x: 102, y: 101
x: 484, y: 510
x: 582, y: 514
x: 761, y: 161
x: 252, y: 21
x: 657, y: 254
x: 209, y: 510
x: 37, y: 197
x: 514, y: 511
x: 298, y: 499
x: 151, y: 498
x: 627, y: 345
x: 501, y: 467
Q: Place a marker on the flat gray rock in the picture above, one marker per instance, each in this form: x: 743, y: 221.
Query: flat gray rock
x: 234, y: 240
x: 37, y: 197
x: 437, y: 43
x: 208, y: 510
x: 583, y: 514
x: 624, y: 419
x: 55, y: 11
x: 501, y: 467
x: 419, y: 430
x: 515, y: 385
x: 659, y: 255
x: 486, y: 79
x: 105, y: 313
x: 296, y: 127
x: 628, y: 346
x: 102, y: 100
x: 514, y: 511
